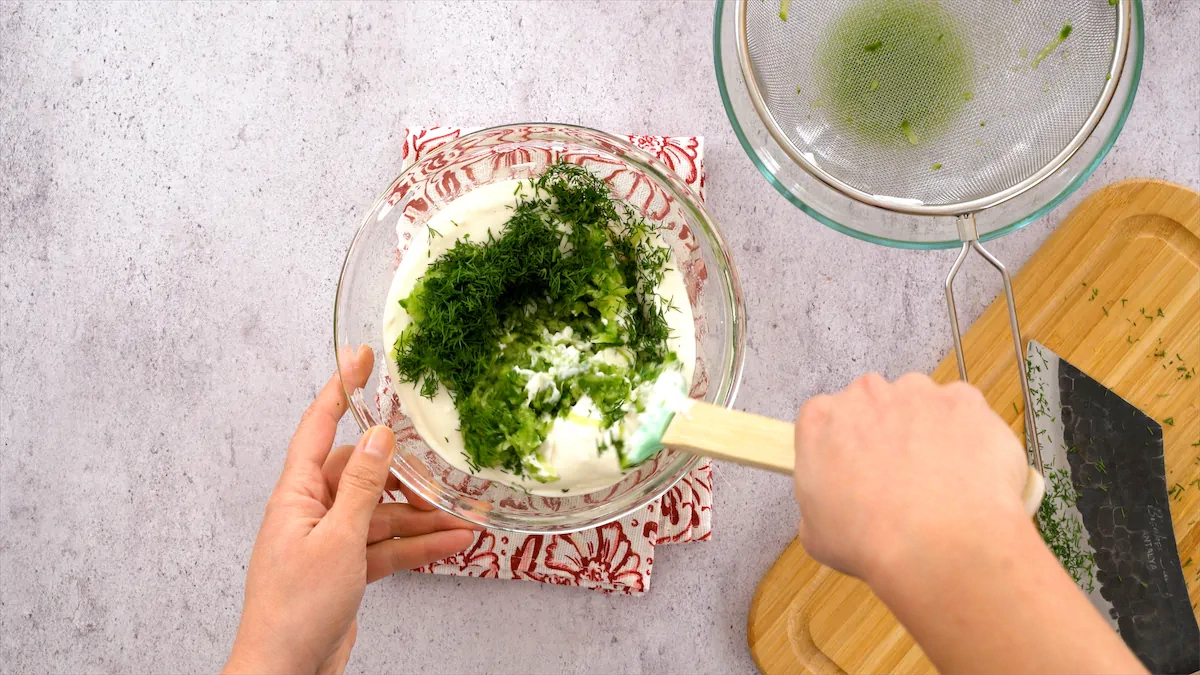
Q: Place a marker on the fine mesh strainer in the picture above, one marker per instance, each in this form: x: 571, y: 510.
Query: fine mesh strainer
x: 939, y: 109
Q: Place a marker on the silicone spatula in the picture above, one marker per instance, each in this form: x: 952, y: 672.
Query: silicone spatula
x: 743, y: 438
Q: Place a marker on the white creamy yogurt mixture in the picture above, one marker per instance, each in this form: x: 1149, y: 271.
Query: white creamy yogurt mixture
x: 575, y: 446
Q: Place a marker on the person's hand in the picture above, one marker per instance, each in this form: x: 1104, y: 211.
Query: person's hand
x: 324, y: 537
x: 883, y: 467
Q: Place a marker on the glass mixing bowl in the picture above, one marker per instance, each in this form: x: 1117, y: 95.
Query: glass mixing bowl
x: 896, y: 229
x: 521, y: 152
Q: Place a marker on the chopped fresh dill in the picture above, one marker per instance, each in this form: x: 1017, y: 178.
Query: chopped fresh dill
x: 573, y: 272
x: 1063, y: 530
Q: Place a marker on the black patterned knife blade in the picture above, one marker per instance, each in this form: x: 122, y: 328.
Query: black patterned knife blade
x: 1107, y: 513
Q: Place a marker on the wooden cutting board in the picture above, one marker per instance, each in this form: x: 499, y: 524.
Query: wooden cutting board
x: 1123, y: 254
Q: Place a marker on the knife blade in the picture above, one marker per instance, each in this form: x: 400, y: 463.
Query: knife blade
x: 1107, y: 514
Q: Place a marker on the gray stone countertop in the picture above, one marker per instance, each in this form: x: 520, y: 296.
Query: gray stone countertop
x: 178, y: 183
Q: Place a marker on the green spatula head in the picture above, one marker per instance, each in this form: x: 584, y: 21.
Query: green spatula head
x: 644, y: 440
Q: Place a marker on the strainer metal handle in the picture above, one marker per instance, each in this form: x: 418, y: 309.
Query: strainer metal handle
x: 968, y: 233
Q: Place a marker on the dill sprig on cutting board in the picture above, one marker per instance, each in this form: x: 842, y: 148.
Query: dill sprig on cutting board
x: 570, y: 256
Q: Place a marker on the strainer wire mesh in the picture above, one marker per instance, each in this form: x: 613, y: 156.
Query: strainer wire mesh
x: 932, y: 108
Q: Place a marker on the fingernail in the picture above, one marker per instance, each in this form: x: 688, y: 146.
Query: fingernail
x: 379, y: 442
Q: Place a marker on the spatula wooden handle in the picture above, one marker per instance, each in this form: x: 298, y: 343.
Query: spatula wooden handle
x: 765, y: 443
x: 734, y: 436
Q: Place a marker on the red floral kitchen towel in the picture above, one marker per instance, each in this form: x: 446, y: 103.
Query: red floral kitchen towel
x: 616, y: 557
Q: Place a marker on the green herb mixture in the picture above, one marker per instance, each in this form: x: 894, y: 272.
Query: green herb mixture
x: 522, y: 327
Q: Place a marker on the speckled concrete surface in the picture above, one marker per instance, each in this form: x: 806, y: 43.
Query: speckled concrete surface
x: 177, y: 186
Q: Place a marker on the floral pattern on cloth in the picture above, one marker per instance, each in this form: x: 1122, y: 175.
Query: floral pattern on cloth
x: 613, y: 558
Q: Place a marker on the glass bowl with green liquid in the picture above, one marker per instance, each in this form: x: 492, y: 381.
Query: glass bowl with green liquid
x: 906, y: 78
